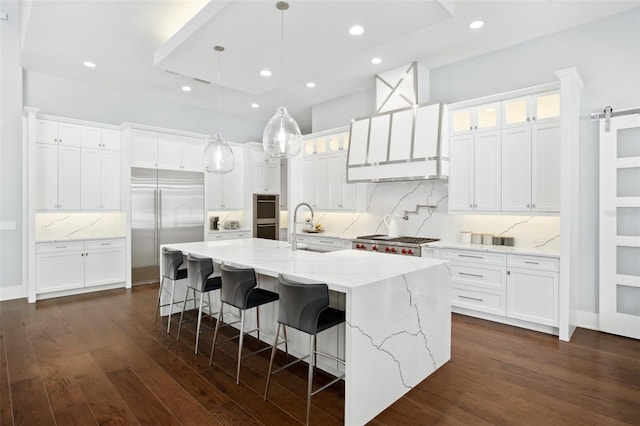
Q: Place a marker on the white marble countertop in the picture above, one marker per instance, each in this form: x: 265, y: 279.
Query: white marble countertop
x: 532, y: 251
x: 342, y: 270
x: 42, y: 238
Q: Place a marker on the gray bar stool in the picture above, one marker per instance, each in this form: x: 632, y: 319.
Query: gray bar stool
x: 305, y: 307
x: 239, y: 290
x: 171, y: 262
x: 200, y: 281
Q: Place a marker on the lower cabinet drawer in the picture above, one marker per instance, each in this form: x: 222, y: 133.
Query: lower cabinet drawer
x: 486, y: 276
x: 490, y: 302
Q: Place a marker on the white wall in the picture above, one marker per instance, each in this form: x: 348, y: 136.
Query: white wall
x: 10, y: 149
x: 607, y: 55
x: 68, y: 98
x: 339, y: 112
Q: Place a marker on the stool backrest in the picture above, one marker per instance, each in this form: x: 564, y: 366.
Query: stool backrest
x: 198, y: 270
x: 171, y: 261
x: 301, y: 304
x: 236, y: 285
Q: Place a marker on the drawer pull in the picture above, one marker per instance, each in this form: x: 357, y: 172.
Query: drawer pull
x: 471, y: 275
x: 532, y: 263
x: 471, y: 298
x: 61, y: 246
x: 326, y: 242
x: 471, y: 256
x: 105, y: 244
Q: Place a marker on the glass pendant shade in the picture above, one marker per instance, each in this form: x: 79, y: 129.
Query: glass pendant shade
x: 218, y: 156
x: 282, y: 137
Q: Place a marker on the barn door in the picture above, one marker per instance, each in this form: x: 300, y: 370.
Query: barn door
x: 620, y: 224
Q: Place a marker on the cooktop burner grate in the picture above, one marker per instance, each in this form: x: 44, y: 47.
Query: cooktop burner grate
x: 405, y: 240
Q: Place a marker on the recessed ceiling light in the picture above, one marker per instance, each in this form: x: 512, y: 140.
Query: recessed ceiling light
x: 265, y: 73
x: 89, y: 64
x: 255, y: 106
x: 376, y: 61
x: 356, y: 30
x: 186, y: 88
x: 476, y: 24
x: 311, y: 84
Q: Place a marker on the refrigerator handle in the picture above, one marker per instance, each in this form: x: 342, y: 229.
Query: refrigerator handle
x: 156, y: 235
x: 159, y: 210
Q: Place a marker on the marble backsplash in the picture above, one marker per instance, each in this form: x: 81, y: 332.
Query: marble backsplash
x: 396, y: 197
x: 78, y: 226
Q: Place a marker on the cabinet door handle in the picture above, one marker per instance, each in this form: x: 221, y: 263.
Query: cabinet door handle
x: 533, y: 205
x: 528, y: 119
x: 471, y: 275
x: 81, y: 254
x: 470, y: 127
x: 528, y: 206
x: 532, y: 263
x: 471, y: 298
x: 470, y: 205
x: 533, y: 118
x: 471, y: 256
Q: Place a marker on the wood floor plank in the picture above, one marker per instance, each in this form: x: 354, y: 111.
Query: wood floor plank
x: 99, y: 358
x: 6, y: 415
x: 30, y: 403
x: 144, y: 405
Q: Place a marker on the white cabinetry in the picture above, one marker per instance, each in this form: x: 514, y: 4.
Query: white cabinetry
x: 325, y: 184
x: 478, y: 280
x: 265, y: 171
x: 474, y: 181
x: 76, y: 167
x: 532, y: 289
x: 168, y: 151
x: 225, y: 190
x: 505, y: 155
x: 79, y: 264
x: 531, y: 153
x: 100, y: 170
x: 521, y: 287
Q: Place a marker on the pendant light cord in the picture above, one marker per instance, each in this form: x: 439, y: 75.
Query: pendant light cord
x: 219, y: 91
x: 282, y: 57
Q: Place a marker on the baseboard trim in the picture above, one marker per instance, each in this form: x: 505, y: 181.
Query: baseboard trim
x: 13, y: 292
x: 589, y: 320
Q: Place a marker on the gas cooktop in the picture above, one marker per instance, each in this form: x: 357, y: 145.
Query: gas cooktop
x: 402, y: 240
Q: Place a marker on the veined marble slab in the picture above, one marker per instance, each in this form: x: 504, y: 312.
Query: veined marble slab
x: 398, y: 312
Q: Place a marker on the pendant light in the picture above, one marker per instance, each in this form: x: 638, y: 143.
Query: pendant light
x: 282, y: 137
x: 218, y: 156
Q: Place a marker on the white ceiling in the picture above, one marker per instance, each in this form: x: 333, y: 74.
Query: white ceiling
x: 135, y: 43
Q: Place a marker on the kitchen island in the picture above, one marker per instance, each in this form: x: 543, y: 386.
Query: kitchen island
x: 398, y: 313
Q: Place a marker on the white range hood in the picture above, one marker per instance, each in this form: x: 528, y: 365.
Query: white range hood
x: 402, y: 144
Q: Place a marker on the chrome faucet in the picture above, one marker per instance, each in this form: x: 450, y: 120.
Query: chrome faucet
x: 294, y: 243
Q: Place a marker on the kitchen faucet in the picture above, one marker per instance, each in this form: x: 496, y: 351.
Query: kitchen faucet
x: 294, y: 243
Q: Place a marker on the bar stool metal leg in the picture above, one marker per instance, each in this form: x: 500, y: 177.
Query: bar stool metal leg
x: 310, y: 376
x: 240, y: 345
x: 173, y: 288
x: 273, y: 355
x: 215, y: 334
x: 199, y: 321
x: 155, y: 315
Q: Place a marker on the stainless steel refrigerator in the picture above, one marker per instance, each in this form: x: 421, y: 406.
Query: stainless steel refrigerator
x: 166, y: 207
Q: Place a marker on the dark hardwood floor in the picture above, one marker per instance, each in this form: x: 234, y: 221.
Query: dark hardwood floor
x: 99, y: 359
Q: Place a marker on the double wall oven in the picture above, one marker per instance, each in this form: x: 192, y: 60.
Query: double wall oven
x: 266, y: 216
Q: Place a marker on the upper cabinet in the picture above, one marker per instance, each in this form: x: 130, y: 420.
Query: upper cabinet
x: 325, y: 184
x: 76, y: 167
x: 167, y: 151
x: 530, y: 109
x: 475, y: 119
x: 505, y: 155
x: 264, y: 170
x: 225, y: 190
